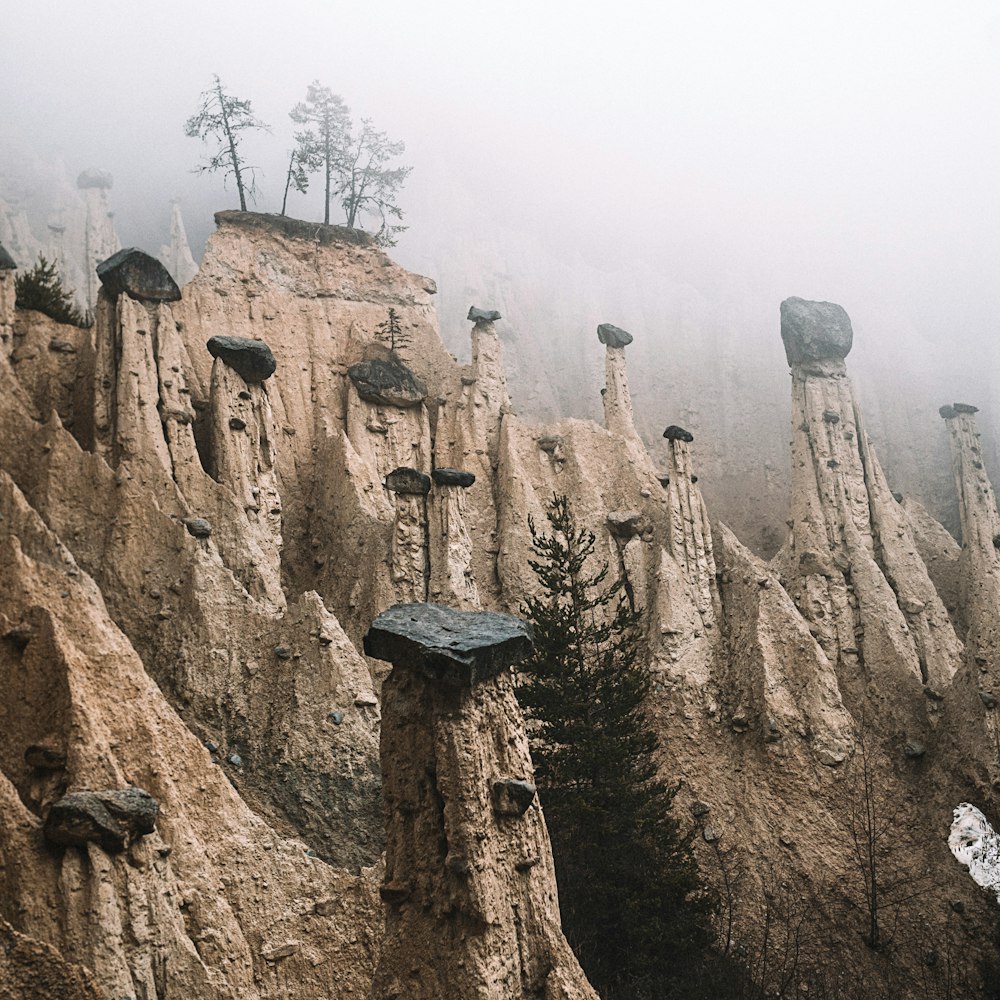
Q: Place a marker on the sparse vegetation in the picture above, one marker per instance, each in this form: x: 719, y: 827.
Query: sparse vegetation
x: 224, y: 118
x: 390, y: 331
x: 633, y: 905
x: 41, y: 288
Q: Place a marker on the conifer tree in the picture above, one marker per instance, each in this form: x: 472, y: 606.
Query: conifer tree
x: 41, y: 289
x: 223, y: 118
x: 633, y: 906
x: 391, y: 331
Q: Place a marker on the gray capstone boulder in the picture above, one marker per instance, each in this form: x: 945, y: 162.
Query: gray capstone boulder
x: 815, y: 331
x: 625, y: 523
x: 112, y: 819
x: 387, y: 383
x: 94, y: 177
x: 252, y: 360
x: 407, y: 480
x: 478, y: 315
x: 7, y: 263
x: 459, y: 648
x: 965, y: 408
x: 613, y: 336
x: 675, y: 433
x: 453, y: 477
x: 134, y: 273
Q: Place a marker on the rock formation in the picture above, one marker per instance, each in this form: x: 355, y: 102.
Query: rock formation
x: 7, y: 298
x: 176, y: 256
x: 193, y: 547
x: 850, y: 562
x: 470, y: 892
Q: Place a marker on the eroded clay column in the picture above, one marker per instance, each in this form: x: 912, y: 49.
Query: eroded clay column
x: 470, y: 891
x: 7, y: 267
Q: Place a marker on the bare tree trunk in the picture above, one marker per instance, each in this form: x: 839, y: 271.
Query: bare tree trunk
x: 232, y: 145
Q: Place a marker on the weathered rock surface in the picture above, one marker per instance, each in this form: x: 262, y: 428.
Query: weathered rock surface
x: 469, y: 890
x: 251, y: 359
x: 613, y: 336
x: 33, y: 970
x: 478, y: 315
x: 453, y: 477
x: 407, y: 480
x: 7, y: 263
x: 387, y: 382
x: 113, y: 819
x: 134, y: 273
x: 815, y: 331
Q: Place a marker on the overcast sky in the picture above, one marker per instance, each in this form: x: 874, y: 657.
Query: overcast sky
x: 836, y: 149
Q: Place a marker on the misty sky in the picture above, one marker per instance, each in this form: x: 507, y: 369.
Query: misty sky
x: 832, y: 150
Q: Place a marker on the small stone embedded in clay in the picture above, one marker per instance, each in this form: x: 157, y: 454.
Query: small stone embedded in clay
x: 815, y: 331
x: 624, y: 523
x: 453, y: 477
x: 138, y: 275
x: 198, y: 527
x: 251, y: 359
x: 512, y: 796
x: 478, y: 315
x: 613, y: 336
x: 407, y: 480
x: 45, y: 757
x: 675, y: 433
x: 914, y: 749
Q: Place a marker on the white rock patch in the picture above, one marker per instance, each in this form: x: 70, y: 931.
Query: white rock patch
x: 976, y: 845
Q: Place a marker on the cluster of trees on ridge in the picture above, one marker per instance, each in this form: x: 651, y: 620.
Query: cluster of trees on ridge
x: 355, y: 161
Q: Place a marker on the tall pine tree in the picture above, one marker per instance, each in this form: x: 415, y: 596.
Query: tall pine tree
x: 633, y: 905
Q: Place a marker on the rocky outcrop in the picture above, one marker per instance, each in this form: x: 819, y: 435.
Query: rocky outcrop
x: 974, y: 714
x: 134, y: 273
x: 619, y: 417
x: 469, y: 890
x: 176, y: 256
x: 850, y: 562
x: 7, y: 298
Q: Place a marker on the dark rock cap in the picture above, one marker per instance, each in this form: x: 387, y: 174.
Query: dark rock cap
x: 624, y: 523
x: 550, y: 442
x: 815, y: 331
x: 94, y: 177
x: 250, y: 359
x: 675, y: 433
x: 112, y: 819
x: 965, y: 408
x: 948, y: 412
x: 512, y: 796
x: 387, y: 383
x: 198, y: 527
x: 478, y: 315
x: 7, y: 263
x: 137, y: 275
x: 453, y: 477
x: 407, y: 480
x: 613, y: 336
x: 454, y: 647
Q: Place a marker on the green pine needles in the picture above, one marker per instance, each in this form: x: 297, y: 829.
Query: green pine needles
x: 41, y: 289
x: 632, y: 902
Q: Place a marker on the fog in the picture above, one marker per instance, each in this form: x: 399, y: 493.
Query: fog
x: 729, y: 152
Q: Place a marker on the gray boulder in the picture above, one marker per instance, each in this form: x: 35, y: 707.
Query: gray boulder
x: 625, y: 523
x: 965, y: 408
x: 458, y: 648
x: 613, y: 336
x: 815, y: 331
x: 7, y: 263
x: 136, y: 274
x: 407, y: 480
x: 453, y: 477
x: 675, y: 433
x: 483, y: 315
x: 387, y: 383
x: 94, y: 177
x: 198, y: 527
x: 252, y: 360
x: 112, y: 819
